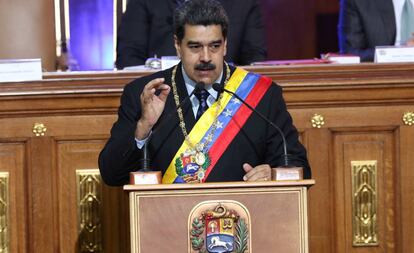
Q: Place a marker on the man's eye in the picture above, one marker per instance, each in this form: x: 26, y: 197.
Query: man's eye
x: 194, y: 46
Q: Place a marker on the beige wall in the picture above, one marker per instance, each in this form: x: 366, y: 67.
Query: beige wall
x: 27, y: 30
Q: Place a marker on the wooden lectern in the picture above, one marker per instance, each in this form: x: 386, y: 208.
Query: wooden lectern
x: 250, y: 217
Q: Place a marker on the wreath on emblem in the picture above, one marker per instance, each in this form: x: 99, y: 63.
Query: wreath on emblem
x: 241, y: 237
x: 197, y: 230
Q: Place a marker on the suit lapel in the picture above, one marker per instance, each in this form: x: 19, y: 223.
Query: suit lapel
x: 386, y: 10
x: 183, y: 93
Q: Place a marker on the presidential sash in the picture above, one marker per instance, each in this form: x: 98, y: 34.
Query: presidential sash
x: 231, y: 115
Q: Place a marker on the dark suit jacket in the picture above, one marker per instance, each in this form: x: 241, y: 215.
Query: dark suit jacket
x: 146, y: 30
x: 256, y: 143
x: 364, y: 24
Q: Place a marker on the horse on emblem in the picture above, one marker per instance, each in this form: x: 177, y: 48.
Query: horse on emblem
x: 216, y: 242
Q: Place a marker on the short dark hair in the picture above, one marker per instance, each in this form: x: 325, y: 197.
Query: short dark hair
x: 199, y: 12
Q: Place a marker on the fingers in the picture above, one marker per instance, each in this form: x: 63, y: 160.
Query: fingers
x: 152, y: 105
x: 152, y: 86
x: 165, y: 90
x: 259, y: 173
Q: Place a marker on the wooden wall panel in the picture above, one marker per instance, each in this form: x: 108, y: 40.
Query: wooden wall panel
x: 352, y: 116
x: 321, y: 236
x: 82, y: 155
x: 12, y: 160
x: 42, y: 204
x: 71, y: 157
x: 57, y: 126
x: 365, y: 146
x: 405, y: 185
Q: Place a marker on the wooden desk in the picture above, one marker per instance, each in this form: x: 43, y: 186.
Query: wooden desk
x: 52, y: 192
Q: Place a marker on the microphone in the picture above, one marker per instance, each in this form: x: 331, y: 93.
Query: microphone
x: 146, y: 161
x: 286, y: 163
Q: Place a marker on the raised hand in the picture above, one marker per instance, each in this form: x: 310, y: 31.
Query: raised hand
x: 152, y: 106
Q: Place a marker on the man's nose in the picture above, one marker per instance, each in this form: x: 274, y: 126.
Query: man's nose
x: 205, y: 54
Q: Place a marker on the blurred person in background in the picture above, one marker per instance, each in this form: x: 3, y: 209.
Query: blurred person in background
x: 146, y: 30
x: 365, y: 24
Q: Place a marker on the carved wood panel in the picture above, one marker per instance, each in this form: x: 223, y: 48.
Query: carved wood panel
x: 359, y: 134
x: 13, y: 197
x: 405, y: 186
x: 91, y: 214
x: 379, y: 228
x: 320, y: 195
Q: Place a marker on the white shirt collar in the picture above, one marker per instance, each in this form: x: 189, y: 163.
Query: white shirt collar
x: 190, y: 84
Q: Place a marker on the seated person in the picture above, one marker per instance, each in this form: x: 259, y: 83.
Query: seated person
x: 365, y: 24
x: 212, y: 137
x: 146, y: 30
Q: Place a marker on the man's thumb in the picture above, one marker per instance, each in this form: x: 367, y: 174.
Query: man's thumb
x: 247, y: 167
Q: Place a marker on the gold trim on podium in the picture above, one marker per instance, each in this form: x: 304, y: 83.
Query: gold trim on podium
x: 4, y: 212
x: 39, y: 129
x: 408, y: 118
x: 364, y: 203
x: 317, y: 121
x: 89, y: 204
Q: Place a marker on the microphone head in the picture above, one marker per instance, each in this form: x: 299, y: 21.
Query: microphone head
x: 218, y: 87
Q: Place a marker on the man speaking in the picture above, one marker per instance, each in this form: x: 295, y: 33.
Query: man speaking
x: 195, y: 133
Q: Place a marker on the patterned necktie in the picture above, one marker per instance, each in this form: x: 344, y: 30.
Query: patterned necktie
x: 202, y: 96
x: 407, y: 21
x: 180, y: 2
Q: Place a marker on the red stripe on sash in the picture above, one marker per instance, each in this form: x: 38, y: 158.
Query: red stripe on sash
x: 237, y: 122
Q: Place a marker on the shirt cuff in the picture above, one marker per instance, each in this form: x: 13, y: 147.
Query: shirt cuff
x: 141, y: 143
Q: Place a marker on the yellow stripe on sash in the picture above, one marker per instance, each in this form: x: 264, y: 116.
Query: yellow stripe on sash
x: 205, y: 122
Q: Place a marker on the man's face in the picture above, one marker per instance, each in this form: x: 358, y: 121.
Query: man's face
x: 202, y: 52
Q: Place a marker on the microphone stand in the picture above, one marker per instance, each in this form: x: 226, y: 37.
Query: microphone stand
x: 145, y: 175
x: 145, y: 161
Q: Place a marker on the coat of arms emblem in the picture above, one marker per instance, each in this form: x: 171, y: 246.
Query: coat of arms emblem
x: 191, y: 166
x: 219, y: 229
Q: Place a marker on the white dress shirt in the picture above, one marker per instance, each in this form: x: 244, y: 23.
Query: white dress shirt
x: 190, y: 85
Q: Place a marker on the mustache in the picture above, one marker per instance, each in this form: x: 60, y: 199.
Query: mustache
x: 205, y: 66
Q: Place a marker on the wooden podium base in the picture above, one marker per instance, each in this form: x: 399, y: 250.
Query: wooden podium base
x: 270, y: 216
x: 148, y: 177
x: 292, y: 173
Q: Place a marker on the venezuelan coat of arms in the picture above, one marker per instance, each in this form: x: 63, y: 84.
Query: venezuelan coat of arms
x: 219, y: 227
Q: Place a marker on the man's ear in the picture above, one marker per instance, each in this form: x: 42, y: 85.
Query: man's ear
x: 177, y: 45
